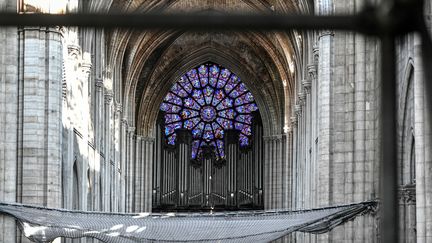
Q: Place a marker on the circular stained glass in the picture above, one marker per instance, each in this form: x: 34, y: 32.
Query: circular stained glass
x: 208, y: 113
x: 208, y: 100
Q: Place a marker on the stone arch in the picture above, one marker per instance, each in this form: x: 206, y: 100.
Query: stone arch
x: 227, y: 58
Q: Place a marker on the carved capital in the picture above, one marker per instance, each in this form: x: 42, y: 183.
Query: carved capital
x: 294, y: 121
x: 307, y: 84
x: 108, y: 98
x: 74, y: 51
x: 99, y: 84
x: 302, y: 97
x: 298, y: 109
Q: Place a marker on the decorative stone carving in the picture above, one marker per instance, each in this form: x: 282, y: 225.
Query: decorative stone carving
x: 407, y: 194
x: 298, y: 109
x: 302, y: 97
x: 74, y: 51
x: 307, y: 84
x: 294, y: 121
x: 108, y: 98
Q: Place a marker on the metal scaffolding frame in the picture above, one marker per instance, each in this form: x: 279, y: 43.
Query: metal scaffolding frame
x: 392, y: 18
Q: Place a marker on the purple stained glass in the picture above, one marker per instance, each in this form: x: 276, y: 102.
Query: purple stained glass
x: 190, y: 103
x: 177, y: 89
x: 225, y: 74
x: 244, y: 118
x: 173, y: 99
x: 188, y: 113
x: 191, y: 123
x: 232, y: 82
x: 208, y: 113
x: 208, y: 94
x: 219, y: 95
x: 198, y: 95
x: 230, y: 114
x: 169, y: 108
x: 244, y: 140
x: 203, y: 102
x: 214, y: 71
x: 238, y: 90
x: 203, y: 71
x: 171, y: 139
x: 170, y: 118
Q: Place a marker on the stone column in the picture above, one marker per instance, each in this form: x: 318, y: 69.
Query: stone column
x: 130, y: 168
x: 8, y: 120
x: 123, y: 160
x: 148, y: 154
x: 423, y: 149
x: 138, y: 186
x: 107, y: 153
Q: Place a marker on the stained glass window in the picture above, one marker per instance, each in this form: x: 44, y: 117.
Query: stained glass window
x: 208, y: 100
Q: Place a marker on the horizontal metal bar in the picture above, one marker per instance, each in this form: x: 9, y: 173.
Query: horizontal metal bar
x: 207, y: 22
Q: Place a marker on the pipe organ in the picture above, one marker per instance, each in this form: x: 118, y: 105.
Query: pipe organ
x: 234, y: 182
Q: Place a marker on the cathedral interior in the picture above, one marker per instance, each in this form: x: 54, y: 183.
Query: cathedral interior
x: 172, y: 120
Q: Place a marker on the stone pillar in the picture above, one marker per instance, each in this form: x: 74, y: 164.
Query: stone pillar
x: 138, y: 180
x: 148, y: 154
x: 130, y: 168
x: 123, y: 161
x: 8, y: 121
x: 423, y: 149
x: 107, y: 153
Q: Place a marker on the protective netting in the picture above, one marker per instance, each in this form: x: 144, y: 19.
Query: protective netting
x: 41, y: 224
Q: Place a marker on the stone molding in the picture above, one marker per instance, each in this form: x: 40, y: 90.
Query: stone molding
x: 407, y: 194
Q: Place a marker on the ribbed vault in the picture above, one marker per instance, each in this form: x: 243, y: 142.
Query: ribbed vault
x: 149, y: 62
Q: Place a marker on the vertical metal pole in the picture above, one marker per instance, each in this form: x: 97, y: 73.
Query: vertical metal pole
x: 389, y: 209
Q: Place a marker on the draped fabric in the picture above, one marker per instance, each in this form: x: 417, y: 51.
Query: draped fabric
x: 42, y: 224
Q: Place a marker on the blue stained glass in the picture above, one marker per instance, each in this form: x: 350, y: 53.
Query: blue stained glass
x: 247, y: 108
x: 225, y: 123
x: 191, y: 123
x: 184, y: 82
x: 208, y: 94
x: 244, y: 118
x: 244, y: 140
x: 218, y: 131
x: 171, y: 139
x: 240, y: 89
x: 177, y: 89
x: 170, y: 128
x: 213, y: 82
x: 204, y: 82
x: 173, y: 99
x: 197, y: 131
x: 203, y: 71
x: 192, y: 74
x: 220, y: 145
x: 198, y: 95
x: 195, y: 146
x: 187, y: 113
x: 225, y: 74
x: 219, y: 95
x: 202, y: 101
x: 230, y: 113
x: 196, y: 83
x: 246, y: 98
x: 232, y: 82
x: 190, y: 103
x: 226, y: 103
x: 169, y: 108
x: 170, y: 118
x: 214, y: 71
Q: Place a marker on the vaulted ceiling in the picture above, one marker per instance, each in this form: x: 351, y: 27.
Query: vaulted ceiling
x: 149, y: 62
